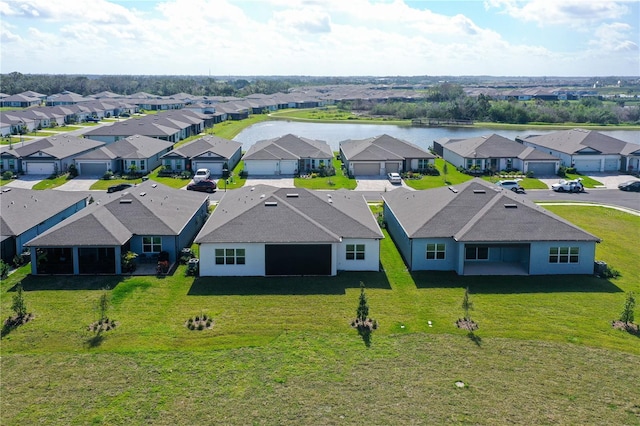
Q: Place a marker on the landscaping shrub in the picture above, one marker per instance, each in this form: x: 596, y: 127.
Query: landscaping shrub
x: 7, y: 175
x: 4, y: 269
x: 108, y: 175
x: 73, y: 170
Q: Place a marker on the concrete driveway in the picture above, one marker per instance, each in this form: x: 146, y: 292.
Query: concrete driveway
x: 377, y: 184
x: 78, y: 183
x: 277, y: 181
x: 26, y: 181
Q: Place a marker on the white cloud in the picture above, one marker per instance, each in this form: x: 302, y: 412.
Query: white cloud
x: 614, y: 37
x: 574, y: 13
x: 68, y: 10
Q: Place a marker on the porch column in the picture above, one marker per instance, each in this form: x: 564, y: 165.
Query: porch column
x: 34, y: 260
x: 75, y: 255
x: 118, y: 256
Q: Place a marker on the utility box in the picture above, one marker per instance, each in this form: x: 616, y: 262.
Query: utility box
x: 599, y: 267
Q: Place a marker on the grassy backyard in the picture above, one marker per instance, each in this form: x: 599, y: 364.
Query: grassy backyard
x: 281, y: 350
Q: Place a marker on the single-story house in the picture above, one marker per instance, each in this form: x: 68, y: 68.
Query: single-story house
x: 262, y: 230
x: 27, y: 214
x: 147, y: 219
x: 287, y: 155
x: 587, y: 150
x: 495, y: 153
x: 208, y: 152
x: 135, y: 126
x: 142, y: 152
x: 383, y: 154
x: 477, y: 228
x: 20, y: 100
x: 46, y: 156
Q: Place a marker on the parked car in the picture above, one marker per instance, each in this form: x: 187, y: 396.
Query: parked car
x: 574, y: 185
x: 93, y: 119
x: 119, y: 187
x: 201, y: 174
x: 513, y: 185
x: 632, y: 186
x: 394, y: 177
x: 202, y: 186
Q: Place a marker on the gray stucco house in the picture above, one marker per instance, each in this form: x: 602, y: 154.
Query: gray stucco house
x: 143, y: 152
x: 383, y: 154
x: 477, y: 228
x: 27, y: 214
x: 287, y: 155
x: 494, y: 152
x: 148, y: 219
x: 267, y: 231
x: 208, y: 152
x: 587, y: 150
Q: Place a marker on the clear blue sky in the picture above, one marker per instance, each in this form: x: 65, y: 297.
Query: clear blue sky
x: 321, y: 37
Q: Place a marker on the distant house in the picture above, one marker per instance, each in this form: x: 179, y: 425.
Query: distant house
x: 208, y: 152
x: 27, y: 214
x: 381, y: 155
x: 495, y: 153
x: 142, y: 152
x: 287, y: 155
x: 148, y: 219
x: 46, y: 156
x: 20, y: 101
x: 587, y: 150
x: 263, y: 231
x: 477, y: 228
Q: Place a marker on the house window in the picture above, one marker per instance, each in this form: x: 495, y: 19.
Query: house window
x: 422, y: 163
x: 178, y: 165
x: 141, y: 164
x: 509, y: 163
x: 230, y: 256
x: 355, y: 251
x: 435, y: 251
x: 167, y: 164
x: 469, y: 163
x: 476, y: 253
x: 564, y: 254
x: 12, y: 164
x: 151, y: 244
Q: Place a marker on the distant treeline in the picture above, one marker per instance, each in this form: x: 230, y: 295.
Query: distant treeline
x: 482, y: 108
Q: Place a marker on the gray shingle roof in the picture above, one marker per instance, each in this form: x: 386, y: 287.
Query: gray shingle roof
x: 221, y: 147
x: 493, y: 146
x: 59, y: 147
x: 264, y: 214
x: 576, y: 140
x: 288, y: 147
x: 114, y: 218
x: 22, y: 209
x: 381, y: 148
x: 132, y: 147
x: 478, y: 211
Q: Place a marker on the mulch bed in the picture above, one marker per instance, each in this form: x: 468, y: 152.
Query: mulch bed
x: 199, y: 323
x: 626, y: 326
x: 466, y: 324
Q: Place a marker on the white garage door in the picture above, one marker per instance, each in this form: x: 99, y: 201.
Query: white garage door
x: 259, y: 168
x: 366, y: 169
x: 611, y: 165
x: 288, y: 167
x: 40, y: 168
x: 542, y: 169
x: 587, y: 165
x: 214, y: 168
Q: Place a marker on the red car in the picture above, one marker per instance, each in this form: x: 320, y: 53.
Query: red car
x: 202, y: 186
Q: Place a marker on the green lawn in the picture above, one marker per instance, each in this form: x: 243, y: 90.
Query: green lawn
x: 330, y: 182
x: 526, y: 183
x: 168, y: 181
x: 331, y: 114
x: 104, y: 184
x: 51, y: 183
x: 282, y: 352
x: 229, y: 129
x: 452, y: 177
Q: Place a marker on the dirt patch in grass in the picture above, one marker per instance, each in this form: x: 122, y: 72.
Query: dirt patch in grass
x: 200, y: 322
x: 466, y: 324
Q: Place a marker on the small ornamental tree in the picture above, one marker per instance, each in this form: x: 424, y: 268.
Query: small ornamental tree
x: 103, y: 304
x: 363, y: 306
x: 467, y: 305
x: 445, y: 171
x: 19, y: 307
x: 627, y: 315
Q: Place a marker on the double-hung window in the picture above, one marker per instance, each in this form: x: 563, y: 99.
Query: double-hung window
x: 151, y: 244
x: 355, y: 251
x: 435, y: 251
x: 422, y: 163
x: 564, y: 254
x: 230, y: 256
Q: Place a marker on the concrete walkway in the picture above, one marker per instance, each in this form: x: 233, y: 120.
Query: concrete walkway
x: 377, y: 184
x: 25, y: 181
x: 277, y: 181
